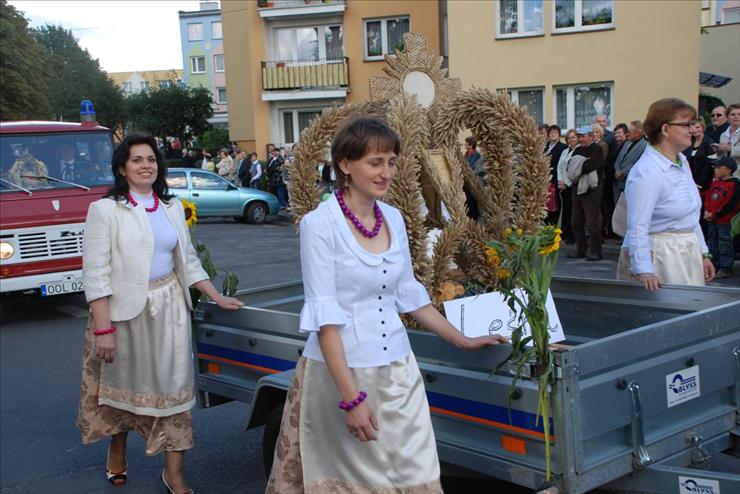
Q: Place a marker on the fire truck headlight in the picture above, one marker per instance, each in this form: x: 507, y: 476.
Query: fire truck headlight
x: 6, y: 250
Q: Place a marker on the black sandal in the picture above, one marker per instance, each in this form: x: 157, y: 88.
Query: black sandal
x: 117, y: 479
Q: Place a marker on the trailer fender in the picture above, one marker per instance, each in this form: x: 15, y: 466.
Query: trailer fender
x: 270, y: 394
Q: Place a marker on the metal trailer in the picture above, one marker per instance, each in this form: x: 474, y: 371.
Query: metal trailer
x: 645, y: 399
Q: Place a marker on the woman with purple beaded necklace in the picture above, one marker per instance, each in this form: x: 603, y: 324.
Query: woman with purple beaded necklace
x: 357, y: 418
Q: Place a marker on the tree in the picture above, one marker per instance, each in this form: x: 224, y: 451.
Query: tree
x: 170, y: 111
x: 73, y: 75
x: 22, y: 69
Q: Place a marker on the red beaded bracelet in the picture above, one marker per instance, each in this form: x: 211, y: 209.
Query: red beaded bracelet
x: 347, y: 406
x: 99, y: 332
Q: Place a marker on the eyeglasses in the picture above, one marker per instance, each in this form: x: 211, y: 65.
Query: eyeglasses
x: 718, y: 114
x: 679, y: 124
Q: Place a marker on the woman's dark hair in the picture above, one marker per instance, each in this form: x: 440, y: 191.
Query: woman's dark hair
x: 555, y: 127
x: 357, y: 138
x: 119, y: 190
x: 624, y: 128
x: 471, y: 141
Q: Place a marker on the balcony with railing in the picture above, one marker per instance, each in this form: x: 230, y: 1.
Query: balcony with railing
x: 291, y: 8
x: 313, y: 77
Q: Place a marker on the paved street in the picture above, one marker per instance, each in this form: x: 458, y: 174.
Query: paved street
x: 40, y: 343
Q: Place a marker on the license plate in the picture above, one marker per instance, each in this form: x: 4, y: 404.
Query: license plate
x: 68, y: 285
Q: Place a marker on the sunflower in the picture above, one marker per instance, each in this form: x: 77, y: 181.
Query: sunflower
x: 191, y: 216
x: 555, y: 245
x: 503, y: 273
x: 493, y: 257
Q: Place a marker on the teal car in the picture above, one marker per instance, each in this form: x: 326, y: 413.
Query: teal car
x: 215, y: 196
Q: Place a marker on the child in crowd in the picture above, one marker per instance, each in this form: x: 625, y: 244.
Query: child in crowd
x: 721, y: 203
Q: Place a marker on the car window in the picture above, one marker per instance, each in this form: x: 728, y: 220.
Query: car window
x: 206, y: 181
x: 177, y: 180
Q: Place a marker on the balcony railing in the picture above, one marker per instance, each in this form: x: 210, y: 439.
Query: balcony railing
x: 282, y: 4
x: 305, y: 74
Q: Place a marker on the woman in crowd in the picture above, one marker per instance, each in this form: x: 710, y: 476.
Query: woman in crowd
x: 599, y: 139
x: 696, y: 155
x: 564, y: 185
x: 664, y: 242
x: 255, y: 172
x: 137, y: 266
x: 226, y: 167
x: 380, y: 436
x: 729, y: 141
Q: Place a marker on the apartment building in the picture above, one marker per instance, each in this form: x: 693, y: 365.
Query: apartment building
x: 136, y: 82
x: 719, y: 61
x: 569, y: 60
x: 202, y: 40
x: 290, y: 59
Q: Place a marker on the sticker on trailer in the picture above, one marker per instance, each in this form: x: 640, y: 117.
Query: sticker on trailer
x: 682, y: 386
x: 695, y: 485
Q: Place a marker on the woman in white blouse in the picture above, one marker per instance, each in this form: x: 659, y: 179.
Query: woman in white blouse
x: 664, y: 242
x: 358, y: 277
x: 137, y: 266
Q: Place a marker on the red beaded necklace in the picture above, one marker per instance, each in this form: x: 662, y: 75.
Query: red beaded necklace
x: 148, y: 210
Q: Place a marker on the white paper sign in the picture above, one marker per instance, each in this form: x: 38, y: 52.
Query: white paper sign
x: 489, y: 314
x: 682, y: 386
x: 695, y: 485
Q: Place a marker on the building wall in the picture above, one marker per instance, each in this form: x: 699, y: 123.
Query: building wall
x: 153, y: 77
x: 423, y: 16
x: 645, y: 60
x: 207, y: 47
x: 720, y: 45
x: 254, y: 123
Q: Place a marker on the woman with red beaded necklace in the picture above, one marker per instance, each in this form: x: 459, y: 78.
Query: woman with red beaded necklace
x: 357, y: 278
x: 137, y: 266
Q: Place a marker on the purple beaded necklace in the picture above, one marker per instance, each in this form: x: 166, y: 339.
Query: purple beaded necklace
x: 356, y: 221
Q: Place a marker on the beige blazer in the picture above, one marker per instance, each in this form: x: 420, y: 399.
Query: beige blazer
x: 118, y: 251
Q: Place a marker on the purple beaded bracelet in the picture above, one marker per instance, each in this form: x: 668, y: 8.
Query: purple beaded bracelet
x: 347, y: 406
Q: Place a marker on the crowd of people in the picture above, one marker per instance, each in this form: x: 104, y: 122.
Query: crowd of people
x: 592, y: 166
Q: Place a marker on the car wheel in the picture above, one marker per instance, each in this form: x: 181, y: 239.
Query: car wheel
x: 256, y: 213
x: 270, y: 437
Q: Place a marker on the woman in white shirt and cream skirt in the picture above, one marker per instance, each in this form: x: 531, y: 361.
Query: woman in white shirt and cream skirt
x: 357, y: 418
x: 664, y: 242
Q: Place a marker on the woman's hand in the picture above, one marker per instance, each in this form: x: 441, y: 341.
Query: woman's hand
x: 561, y: 185
x: 361, y: 422
x: 724, y: 147
x: 228, y: 303
x: 650, y: 281
x: 708, y: 270
x: 618, y: 174
x: 105, y: 347
x: 481, y: 341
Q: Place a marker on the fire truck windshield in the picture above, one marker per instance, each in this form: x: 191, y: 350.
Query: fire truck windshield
x: 54, y: 161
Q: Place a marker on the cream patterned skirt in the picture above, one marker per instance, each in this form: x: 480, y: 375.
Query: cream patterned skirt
x: 676, y: 257
x: 316, y: 454
x: 149, y: 386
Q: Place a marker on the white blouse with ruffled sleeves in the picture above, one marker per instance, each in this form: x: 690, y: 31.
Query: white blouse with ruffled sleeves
x: 360, y: 292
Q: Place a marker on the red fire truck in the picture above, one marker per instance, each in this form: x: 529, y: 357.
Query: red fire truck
x: 50, y: 172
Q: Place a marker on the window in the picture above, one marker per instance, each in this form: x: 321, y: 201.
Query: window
x: 533, y: 99
x: 177, y: 180
x: 582, y: 15
x: 206, y: 181
x: 221, y: 95
x: 127, y: 88
x: 197, y: 65
x: 165, y: 84
x: 218, y: 63
x: 519, y: 18
x: 294, y: 121
x: 143, y: 85
x: 217, y: 30
x: 730, y: 15
x: 577, y: 105
x: 195, y: 32
x: 384, y: 36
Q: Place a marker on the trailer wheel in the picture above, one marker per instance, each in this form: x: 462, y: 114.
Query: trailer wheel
x: 270, y: 437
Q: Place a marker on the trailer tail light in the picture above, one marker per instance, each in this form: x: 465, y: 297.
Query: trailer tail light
x: 514, y: 444
x: 214, y: 368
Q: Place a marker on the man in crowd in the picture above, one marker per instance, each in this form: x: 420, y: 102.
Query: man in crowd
x: 719, y: 123
x: 587, y: 215
x: 275, y: 177
x: 188, y: 159
x: 607, y: 197
x: 604, y: 122
x: 628, y: 155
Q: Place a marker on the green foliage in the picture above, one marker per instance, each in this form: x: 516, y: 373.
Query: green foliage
x: 170, y: 111
x: 214, y: 140
x: 23, y: 64
x: 73, y: 75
